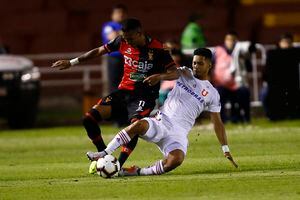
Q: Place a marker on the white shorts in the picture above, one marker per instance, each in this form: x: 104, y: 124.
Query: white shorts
x: 165, y: 136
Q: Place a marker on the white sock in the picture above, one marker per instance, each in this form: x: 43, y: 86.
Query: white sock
x: 120, y: 139
x: 155, y: 169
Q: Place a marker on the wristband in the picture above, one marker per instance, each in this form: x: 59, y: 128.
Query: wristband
x: 74, y: 61
x: 225, y: 148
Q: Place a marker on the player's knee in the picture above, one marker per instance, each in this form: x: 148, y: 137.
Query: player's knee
x: 139, y: 127
x: 174, y: 160
x: 91, y: 117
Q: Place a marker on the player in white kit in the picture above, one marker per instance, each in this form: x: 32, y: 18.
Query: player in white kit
x: 192, y: 95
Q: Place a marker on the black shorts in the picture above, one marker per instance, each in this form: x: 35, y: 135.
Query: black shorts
x: 129, y: 105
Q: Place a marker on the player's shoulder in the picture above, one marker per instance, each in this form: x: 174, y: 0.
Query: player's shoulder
x: 154, y: 43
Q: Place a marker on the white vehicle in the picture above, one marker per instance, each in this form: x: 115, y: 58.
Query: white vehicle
x: 19, y: 90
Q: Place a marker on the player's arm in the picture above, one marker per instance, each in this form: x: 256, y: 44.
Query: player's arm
x: 221, y: 135
x: 172, y: 73
x: 94, y: 53
x: 219, y: 127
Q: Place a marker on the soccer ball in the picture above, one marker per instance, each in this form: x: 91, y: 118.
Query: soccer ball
x: 108, y: 166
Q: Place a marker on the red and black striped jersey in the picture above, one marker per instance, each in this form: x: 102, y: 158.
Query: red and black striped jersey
x: 140, y: 63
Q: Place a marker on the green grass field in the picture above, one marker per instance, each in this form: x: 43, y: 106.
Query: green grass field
x: 51, y: 164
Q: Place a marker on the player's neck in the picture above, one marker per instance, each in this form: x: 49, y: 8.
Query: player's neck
x: 143, y: 41
x: 202, y: 77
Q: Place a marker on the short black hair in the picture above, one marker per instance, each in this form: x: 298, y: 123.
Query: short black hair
x: 131, y: 24
x: 120, y: 6
x: 176, y: 52
x: 288, y: 36
x: 232, y: 32
x: 203, y: 52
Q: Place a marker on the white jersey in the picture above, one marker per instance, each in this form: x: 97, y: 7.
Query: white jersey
x: 188, y: 99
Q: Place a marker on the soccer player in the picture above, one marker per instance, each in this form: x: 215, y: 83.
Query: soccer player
x: 192, y: 95
x: 144, y: 61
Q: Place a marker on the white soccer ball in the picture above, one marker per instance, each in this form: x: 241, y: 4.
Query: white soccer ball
x: 108, y: 166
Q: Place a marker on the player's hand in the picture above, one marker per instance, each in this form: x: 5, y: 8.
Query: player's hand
x: 61, y: 64
x: 229, y: 157
x: 152, y: 80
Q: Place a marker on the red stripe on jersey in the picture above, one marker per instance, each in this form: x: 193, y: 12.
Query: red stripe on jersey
x: 154, y: 43
x: 145, y: 112
x: 99, y: 102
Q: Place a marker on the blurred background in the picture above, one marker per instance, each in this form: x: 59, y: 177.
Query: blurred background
x: 35, y: 33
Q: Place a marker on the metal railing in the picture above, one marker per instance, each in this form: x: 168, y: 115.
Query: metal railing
x: 86, y: 80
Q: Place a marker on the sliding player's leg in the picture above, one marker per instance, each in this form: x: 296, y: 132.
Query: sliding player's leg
x: 171, y: 141
x: 172, y: 161
x: 122, y: 138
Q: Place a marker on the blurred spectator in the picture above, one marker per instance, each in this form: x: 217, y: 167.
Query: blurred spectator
x: 171, y: 44
x: 281, y: 92
x: 110, y: 31
x: 286, y: 41
x: 192, y: 36
x: 230, y: 78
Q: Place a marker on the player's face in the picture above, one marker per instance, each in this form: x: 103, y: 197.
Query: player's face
x: 201, y: 66
x: 285, y: 43
x: 132, y: 38
x: 118, y: 15
x: 230, y: 41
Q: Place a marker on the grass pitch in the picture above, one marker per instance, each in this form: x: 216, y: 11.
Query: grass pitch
x: 51, y: 164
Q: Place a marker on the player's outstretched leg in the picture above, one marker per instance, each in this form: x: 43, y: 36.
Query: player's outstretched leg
x: 90, y: 123
x: 173, y: 160
x: 122, y: 138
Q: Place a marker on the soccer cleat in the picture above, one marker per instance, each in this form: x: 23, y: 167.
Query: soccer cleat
x: 93, y: 167
x: 94, y: 156
x: 130, y: 171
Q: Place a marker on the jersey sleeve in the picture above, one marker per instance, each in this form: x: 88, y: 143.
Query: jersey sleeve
x: 113, y: 45
x: 185, y: 72
x: 166, y: 59
x: 215, y: 105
